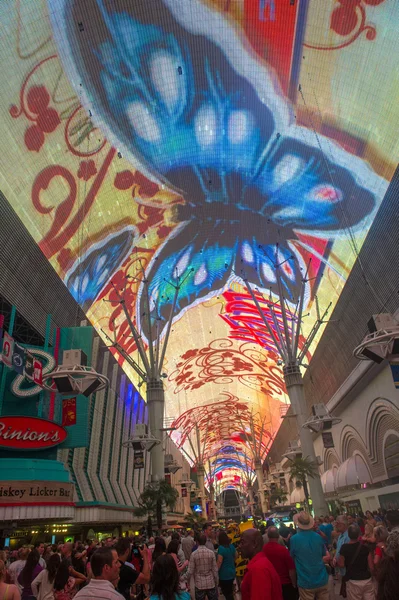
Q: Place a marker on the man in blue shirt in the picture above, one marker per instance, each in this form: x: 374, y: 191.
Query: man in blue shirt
x: 326, y: 528
x: 308, y: 549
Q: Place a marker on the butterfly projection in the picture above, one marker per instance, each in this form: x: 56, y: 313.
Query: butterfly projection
x: 172, y: 84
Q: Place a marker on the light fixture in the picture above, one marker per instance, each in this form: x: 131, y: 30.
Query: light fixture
x: 382, y: 343
x: 142, y: 439
x: 321, y: 419
x: 76, y: 379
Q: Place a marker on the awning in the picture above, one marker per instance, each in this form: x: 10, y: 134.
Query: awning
x: 353, y: 471
x: 328, y: 480
x: 297, y: 495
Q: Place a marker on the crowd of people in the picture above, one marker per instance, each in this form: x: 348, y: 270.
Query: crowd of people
x: 357, y: 556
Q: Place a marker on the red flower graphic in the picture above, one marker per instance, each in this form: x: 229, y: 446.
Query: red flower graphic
x: 87, y: 169
x: 34, y: 138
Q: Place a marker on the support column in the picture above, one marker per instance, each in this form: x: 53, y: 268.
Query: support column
x: 294, y: 383
x: 251, y: 500
x: 156, y: 404
x: 201, y: 485
x: 259, y: 476
x: 212, y: 511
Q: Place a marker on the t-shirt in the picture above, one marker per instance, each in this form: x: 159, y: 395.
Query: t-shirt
x: 127, y: 577
x: 359, y: 568
x: 14, y: 570
x: 380, y: 552
x: 227, y: 569
x: 307, y: 549
x: 26, y: 585
x: 327, y: 529
x: 261, y: 581
x: 280, y: 559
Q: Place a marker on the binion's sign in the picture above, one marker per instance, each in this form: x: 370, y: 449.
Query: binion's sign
x: 30, y: 433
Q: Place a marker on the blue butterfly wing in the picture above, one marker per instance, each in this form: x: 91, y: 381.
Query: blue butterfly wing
x: 198, y: 117
x: 256, y: 263
x: 308, y: 191
x: 173, y: 98
x: 94, y: 268
x: 198, y: 267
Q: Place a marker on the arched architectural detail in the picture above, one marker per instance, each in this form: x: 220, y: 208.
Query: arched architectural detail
x: 383, y: 416
x: 331, y: 459
x: 352, y: 443
x: 390, y: 447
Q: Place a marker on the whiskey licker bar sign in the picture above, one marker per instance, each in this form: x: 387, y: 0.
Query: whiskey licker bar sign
x: 30, y: 433
x: 13, y: 493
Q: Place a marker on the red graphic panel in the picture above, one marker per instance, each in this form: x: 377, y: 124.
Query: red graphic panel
x: 270, y: 28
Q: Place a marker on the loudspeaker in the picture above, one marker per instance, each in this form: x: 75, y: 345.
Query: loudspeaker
x: 372, y: 355
x: 92, y: 388
x: 63, y: 385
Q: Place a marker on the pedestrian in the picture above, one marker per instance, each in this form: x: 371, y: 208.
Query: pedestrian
x: 392, y: 520
x: 8, y: 591
x: 388, y: 577
x: 308, y: 550
x: 358, y: 561
x: 203, y: 569
x: 181, y: 562
x: 280, y: 540
x: 165, y: 580
x: 326, y: 527
x: 64, y: 582
x: 78, y: 558
x: 16, y: 567
x: 43, y: 584
x: 105, y: 568
x: 380, y: 535
x: 207, y: 530
x: 188, y: 543
x: 341, y: 525
x: 370, y: 518
x: 260, y: 581
x: 39, y: 546
x: 180, y: 554
x: 282, y: 561
x: 159, y: 548
x: 127, y: 575
x: 368, y: 536
x: 66, y: 555
x: 226, y: 564
x: 30, y: 571
x: 167, y: 536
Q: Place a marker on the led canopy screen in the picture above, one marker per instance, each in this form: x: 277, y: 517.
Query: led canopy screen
x: 200, y: 141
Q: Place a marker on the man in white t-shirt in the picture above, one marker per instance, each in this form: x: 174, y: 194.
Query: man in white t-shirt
x: 16, y: 567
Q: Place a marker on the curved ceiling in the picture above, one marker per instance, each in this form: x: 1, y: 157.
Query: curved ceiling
x: 202, y: 141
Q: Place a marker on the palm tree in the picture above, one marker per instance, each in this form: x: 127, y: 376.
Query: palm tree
x: 194, y: 520
x: 277, y: 495
x: 156, y: 496
x: 301, y: 469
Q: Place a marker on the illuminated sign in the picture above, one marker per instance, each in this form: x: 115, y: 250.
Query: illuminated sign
x: 8, y: 349
x: 30, y: 433
x: 35, y: 492
x: 133, y: 151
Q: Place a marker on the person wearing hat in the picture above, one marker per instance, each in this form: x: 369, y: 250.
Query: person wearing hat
x: 308, y: 549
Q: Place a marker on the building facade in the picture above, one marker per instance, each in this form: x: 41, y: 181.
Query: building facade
x: 88, y: 482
